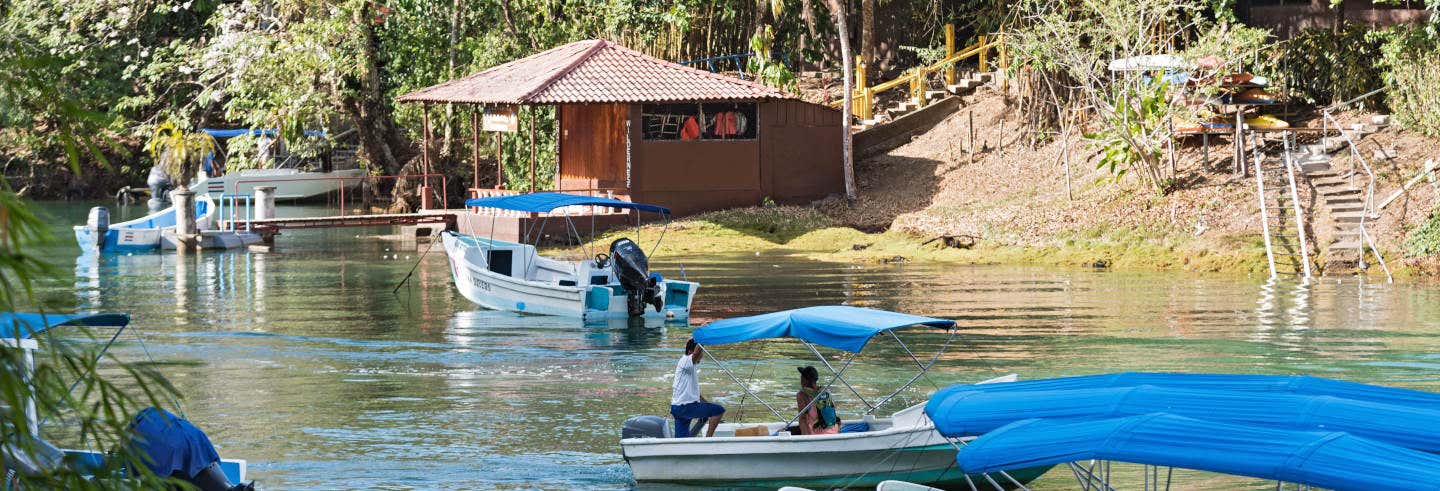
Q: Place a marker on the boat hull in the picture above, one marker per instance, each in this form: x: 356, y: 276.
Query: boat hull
x: 290, y: 184
x: 918, y: 455
x: 147, y: 233
x: 496, y: 291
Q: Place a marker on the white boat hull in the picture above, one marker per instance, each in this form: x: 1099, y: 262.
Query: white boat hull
x: 290, y: 184
x: 487, y: 288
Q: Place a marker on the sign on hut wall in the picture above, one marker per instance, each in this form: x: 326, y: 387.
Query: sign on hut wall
x: 501, y: 118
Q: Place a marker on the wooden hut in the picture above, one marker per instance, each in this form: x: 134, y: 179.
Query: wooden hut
x: 653, y: 131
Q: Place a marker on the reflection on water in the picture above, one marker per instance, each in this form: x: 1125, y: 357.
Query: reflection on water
x: 303, y: 361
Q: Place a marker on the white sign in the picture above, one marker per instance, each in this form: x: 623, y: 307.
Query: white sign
x: 500, y: 119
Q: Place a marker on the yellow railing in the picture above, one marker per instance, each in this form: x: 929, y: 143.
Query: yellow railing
x: 863, y: 98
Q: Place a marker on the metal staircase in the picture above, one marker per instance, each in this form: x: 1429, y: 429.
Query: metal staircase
x: 1282, y: 220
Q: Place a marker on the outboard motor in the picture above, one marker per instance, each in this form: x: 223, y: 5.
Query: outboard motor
x: 178, y: 449
x: 158, y: 181
x: 98, y: 225
x: 633, y: 270
x: 645, y: 427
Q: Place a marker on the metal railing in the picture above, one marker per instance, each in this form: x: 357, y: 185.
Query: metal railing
x: 1367, y: 209
x: 424, y: 178
x: 863, y: 97
x: 231, y: 225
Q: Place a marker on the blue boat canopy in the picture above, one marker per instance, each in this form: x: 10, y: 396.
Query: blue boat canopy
x: 836, y: 326
x: 962, y: 414
x: 1330, y: 460
x: 1289, y: 384
x: 27, y: 325
x: 231, y: 133
x: 546, y: 201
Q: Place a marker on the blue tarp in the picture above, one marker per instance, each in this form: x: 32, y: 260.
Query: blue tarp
x: 960, y: 414
x: 1331, y: 460
x: 172, y: 444
x: 836, y: 326
x: 26, y: 325
x: 1292, y: 384
x: 543, y: 202
x: 231, y: 133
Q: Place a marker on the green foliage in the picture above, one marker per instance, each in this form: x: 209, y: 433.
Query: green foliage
x: 1412, y: 76
x: 926, y: 55
x: 1128, y: 141
x: 179, y: 152
x: 1425, y: 239
x: 1323, y: 66
x: 765, y: 67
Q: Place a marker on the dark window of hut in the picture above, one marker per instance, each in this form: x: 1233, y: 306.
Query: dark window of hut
x: 700, y: 121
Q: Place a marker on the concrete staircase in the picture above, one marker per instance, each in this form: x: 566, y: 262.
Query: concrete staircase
x: 899, y: 109
x: 1342, y: 193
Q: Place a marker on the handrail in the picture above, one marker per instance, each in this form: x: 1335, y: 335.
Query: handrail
x: 863, y: 96
x: 1290, y: 166
x: 1367, y: 209
x: 444, y: 186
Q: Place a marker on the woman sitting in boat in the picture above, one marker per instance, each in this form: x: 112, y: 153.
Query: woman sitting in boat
x: 818, y: 418
x: 686, y: 403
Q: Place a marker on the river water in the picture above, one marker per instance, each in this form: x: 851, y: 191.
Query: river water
x: 303, y: 361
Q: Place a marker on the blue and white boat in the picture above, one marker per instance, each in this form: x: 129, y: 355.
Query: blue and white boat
x: 1304, y: 430
x: 867, y: 451
x: 512, y: 276
x: 141, y: 234
x: 18, y: 331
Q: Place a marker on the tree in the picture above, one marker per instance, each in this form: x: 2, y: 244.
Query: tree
x: 837, y: 9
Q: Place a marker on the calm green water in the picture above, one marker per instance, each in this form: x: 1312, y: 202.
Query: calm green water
x: 302, y: 361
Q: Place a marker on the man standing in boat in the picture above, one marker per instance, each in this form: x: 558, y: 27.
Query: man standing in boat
x: 686, y: 403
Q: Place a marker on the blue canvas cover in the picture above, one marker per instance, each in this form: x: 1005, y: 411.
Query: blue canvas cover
x: 546, y: 201
x: 172, y: 444
x: 26, y: 325
x: 961, y: 414
x: 1292, y: 384
x: 1331, y: 460
x: 837, y: 326
x: 231, y: 133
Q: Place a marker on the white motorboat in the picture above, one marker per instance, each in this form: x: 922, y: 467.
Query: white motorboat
x: 903, y: 446
x: 290, y: 184
x: 141, y: 234
x: 512, y: 276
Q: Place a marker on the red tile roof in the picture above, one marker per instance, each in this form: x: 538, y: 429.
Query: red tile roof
x: 593, y: 71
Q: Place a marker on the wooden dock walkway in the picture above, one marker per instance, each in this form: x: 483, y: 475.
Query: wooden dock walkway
x: 272, y: 225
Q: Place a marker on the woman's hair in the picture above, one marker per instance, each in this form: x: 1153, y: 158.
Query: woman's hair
x: 690, y: 346
x: 808, y: 375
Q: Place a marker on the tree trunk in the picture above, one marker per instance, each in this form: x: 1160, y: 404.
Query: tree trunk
x: 838, y: 10
x: 364, y: 102
x: 868, y: 46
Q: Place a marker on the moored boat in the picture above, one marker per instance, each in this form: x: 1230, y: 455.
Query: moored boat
x: 870, y: 450
x: 141, y: 234
x: 512, y: 276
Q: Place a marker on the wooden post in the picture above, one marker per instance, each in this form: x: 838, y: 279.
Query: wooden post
x: 559, y: 145
x: 972, y: 136
x: 984, y: 51
x: 532, y: 149
x: 475, y: 145
x: 949, y: 52
x: 863, y: 104
x: 425, y: 143
x: 499, y: 160
x: 917, y: 90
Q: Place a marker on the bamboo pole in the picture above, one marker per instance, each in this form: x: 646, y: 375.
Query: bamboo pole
x: 949, y: 53
x: 425, y: 144
x: 862, y: 108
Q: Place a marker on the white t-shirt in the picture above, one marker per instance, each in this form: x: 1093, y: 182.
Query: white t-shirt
x: 687, y: 383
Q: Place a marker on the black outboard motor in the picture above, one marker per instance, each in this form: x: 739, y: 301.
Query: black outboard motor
x: 645, y: 427
x: 633, y: 270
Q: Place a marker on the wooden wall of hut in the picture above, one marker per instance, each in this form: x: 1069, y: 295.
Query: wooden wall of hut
x: 800, y: 152
x: 592, y: 146
x: 692, y: 176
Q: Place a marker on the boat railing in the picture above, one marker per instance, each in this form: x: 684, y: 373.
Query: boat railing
x: 233, y: 201
x: 430, y: 193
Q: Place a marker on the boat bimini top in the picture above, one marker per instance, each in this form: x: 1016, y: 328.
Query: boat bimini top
x: 1332, y: 460
x: 1301, y: 429
x: 548, y: 201
x: 27, y: 325
x: 840, y: 327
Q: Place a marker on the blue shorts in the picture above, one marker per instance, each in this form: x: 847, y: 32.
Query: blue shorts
x: 684, y: 413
